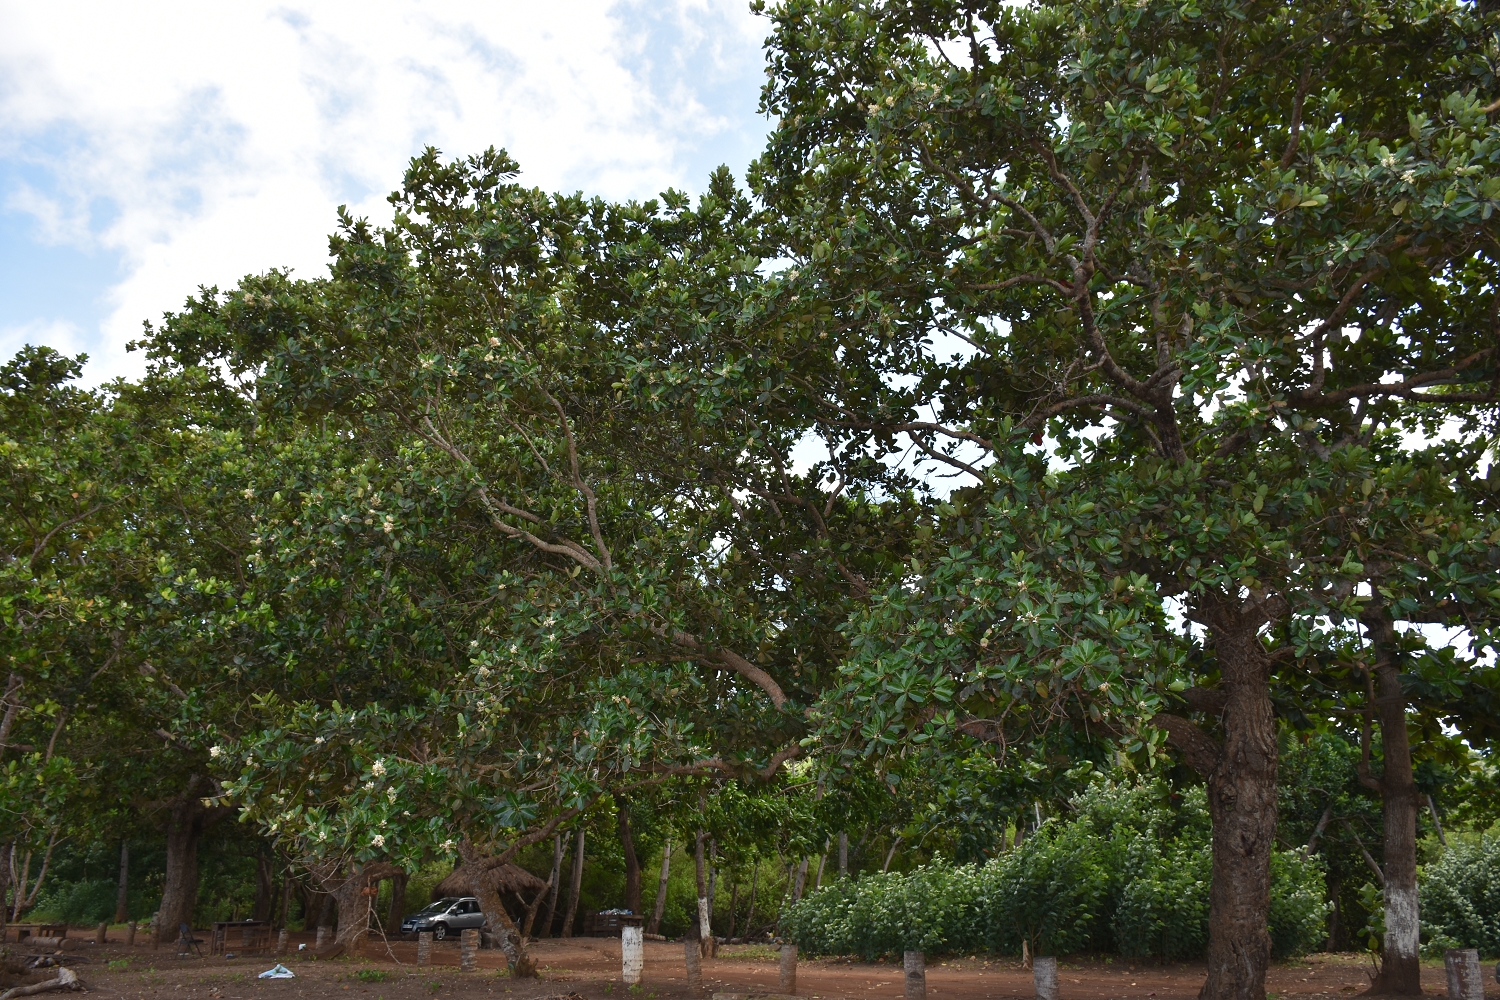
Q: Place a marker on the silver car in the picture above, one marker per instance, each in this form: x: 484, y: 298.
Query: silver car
x: 444, y: 917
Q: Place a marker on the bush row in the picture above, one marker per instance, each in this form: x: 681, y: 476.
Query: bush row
x: 1128, y: 872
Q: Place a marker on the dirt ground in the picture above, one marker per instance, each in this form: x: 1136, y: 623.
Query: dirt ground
x: 589, y: 968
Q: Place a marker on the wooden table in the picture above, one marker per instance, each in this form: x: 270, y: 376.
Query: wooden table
x: 252, y: 936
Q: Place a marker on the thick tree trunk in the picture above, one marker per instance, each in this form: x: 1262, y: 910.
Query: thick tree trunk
x: 484, y: 884
x: 661, y: 889
x: 1242, y: 805
x: 347, y: 890
x: 575, y: 888
x: 122, y: 889
x: 397, y: 911
x: 1241, y: 777
x: 179, y: 895
x: 1400, y: 967
x: 632, y: 864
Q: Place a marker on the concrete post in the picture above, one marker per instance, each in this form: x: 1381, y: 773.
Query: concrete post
x: 1044, y: 976
x: 281, y: 943
x: 694, y: 964
x: 788, y: 969
x: 424, y: 949
x: 916, y: 975
x: 632, y: 954
x: 324, y: 933
x: 102, y: 934
x: 130, y: 934
x: 1465, y: 976
x: 468, y: 949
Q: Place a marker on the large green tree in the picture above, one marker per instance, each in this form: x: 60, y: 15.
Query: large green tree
x: 1200, y: 267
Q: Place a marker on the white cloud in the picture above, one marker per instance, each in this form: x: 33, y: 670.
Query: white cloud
x: 58, y: 334
x: 202, y: 142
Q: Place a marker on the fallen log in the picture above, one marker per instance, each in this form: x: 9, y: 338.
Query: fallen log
x: 66, y: 979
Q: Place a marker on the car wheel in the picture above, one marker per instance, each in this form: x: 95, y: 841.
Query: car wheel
x: 439, y: 931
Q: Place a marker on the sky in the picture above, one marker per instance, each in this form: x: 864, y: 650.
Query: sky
x: 148, y: 149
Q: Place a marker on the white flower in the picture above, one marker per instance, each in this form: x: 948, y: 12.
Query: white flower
x: 1409, y: 176
x: 378, y: 768
x: 216, y: 752
x: 390, y: 795
x: 378, y: 840
x: 494, y: 341
x: 448, y: 844
x: 318, y: 740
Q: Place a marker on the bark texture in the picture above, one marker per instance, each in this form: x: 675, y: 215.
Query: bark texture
x: 483, y: 877
x: 122, y: 894
x: 187, y: 818
x: 1400, y: 967
x: 1241, y: 778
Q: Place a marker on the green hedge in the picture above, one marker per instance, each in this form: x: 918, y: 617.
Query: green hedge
x: 1129, y: 872
x: 1460, y: 898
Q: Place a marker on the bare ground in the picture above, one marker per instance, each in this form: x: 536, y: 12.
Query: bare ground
x: 589, y: 968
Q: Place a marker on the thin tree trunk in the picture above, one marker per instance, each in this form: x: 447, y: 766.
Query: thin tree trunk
x: 891, y: 854
x: 20, y: 906
x: 5, y: 878
x: 1400, y: 966
x: 122, y: 890
x: 286, y: 900
x: 265, y: 887
x: 12, y: 706
x: 843, y: 854
x: 632, y: 864
x: 661, y: 889
x: 801, y: 882
x: 705, y: 917
x: 576, y: 888
x: 750, y: 913
x: 41, y: 876
x: 559, y: 848
x: 822, y: 860
x: 734, y: 902
x: 1437, y: 824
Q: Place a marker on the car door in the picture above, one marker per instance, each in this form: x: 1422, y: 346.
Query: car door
x: 472, y: 915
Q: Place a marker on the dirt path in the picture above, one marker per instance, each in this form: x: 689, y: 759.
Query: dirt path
x: 589, y: 968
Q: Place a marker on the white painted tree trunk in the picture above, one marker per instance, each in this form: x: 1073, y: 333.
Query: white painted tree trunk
x: 788, y: 970
x: 1044, y: 976
x: 632, y: 954
x: 1403, y: 928
x: 1465, y: 975
x: 916, y: 975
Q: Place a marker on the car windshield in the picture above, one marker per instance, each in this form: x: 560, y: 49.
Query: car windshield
x: 439, y: 906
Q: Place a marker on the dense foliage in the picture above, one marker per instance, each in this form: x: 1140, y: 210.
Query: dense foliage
x: 1125, y: 872
x: 1461, y: 897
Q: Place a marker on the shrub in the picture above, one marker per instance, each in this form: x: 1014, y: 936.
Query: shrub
x: 1130, y: 870
x: 1460, y: 896
x: 372, y: 975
